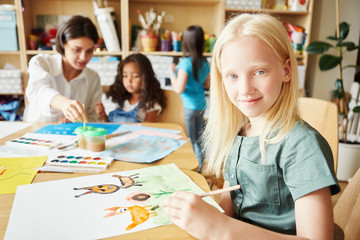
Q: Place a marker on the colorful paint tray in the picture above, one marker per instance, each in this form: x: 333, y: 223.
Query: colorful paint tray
x: 79, y: 162
x: 33, y: 142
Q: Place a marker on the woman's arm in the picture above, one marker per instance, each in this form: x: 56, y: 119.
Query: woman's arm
x: 179, y: 82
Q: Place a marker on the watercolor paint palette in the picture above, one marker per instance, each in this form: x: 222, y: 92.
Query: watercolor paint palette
x: 33, y: 142
x: 84, y: 162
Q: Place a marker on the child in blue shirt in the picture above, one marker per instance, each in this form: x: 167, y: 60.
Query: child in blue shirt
x: 136, y: 91
x: 254, y: 135
x: 192, y: 77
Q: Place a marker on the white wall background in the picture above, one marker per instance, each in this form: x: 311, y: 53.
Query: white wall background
x: 320, y: 84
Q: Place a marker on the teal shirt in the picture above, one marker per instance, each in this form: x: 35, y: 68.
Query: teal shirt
x: 194, y: 95
x: 300, y: 164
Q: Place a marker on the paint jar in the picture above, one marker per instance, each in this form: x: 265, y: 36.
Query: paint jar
x: 81, y: 138
x: 95, y: 139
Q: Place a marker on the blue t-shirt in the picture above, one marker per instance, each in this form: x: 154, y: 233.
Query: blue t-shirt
x: 194, y: 95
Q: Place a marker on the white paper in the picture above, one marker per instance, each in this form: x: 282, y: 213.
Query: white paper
x: 8, y: 128
x: 50, y: 210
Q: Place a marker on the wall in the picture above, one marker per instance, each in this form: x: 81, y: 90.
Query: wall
x: 320, y: 84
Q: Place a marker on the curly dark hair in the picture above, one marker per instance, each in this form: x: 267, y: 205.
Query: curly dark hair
x: 150, y: 89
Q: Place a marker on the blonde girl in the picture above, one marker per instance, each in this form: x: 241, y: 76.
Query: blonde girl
x: 284, y: 167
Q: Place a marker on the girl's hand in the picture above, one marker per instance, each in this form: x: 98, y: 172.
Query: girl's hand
x: 194, y: 215
x: 74, y: 111
x: 172, y: 68
x: 100, y: 111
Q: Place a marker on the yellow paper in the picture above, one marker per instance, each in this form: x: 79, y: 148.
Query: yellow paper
x: 18, y: 171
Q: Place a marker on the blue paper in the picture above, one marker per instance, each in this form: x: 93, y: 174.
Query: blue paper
x: 69, y: 128
x: 143, y: 149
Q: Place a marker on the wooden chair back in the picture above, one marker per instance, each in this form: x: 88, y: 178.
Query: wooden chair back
x: 347, y: 209
x: 174, y: 111
x: 323, y: 116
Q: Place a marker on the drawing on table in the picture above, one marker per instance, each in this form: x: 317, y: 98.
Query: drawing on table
x: 125, y: 182
x: 18, y: 171
x: 88, y: 213
x: 3, y: 170
x: 139, y: 214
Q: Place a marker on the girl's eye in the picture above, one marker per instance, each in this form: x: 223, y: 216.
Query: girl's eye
x: 124, y: 76
x: 90, y: 51
x: 136, y: 76
x: 260, y: 72
x: 231, y: 76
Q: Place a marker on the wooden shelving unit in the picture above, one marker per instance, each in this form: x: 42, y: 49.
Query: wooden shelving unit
x: 210, y: 14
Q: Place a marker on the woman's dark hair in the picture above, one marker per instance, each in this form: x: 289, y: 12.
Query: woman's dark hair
x: 193, y: 45
x: 150, y: 89
x: 75, y: 27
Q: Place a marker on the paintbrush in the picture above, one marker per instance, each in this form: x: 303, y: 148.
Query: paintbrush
x: 116, y: 134
x: 84, y: 119
x: 228, y: 189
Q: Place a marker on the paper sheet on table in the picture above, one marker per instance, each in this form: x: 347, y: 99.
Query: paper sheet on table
x: 18, y: 171
x: 143, y: 149
x: 72, y: 211
x: 69, y: 128
x: 138, y: 127
x: 8, y: 128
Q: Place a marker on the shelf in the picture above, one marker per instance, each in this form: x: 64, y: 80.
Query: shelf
x: 179, y: 2
x: 172, y: 54
x: 10, y: 52
x: 264, y: 10
x: 101, y: 53
x: 1, y: 94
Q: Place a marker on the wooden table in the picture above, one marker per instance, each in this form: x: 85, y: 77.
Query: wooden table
x: 184, y: 158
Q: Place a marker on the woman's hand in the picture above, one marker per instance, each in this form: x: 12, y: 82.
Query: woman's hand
x: 194, y: 215
x: 74, y: 111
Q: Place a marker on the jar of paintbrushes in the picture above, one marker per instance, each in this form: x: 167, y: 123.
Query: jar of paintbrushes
x: 151, y: 23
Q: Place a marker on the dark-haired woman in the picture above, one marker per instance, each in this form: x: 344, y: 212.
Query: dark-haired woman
x: 61, y: 88
x: 189, y: 79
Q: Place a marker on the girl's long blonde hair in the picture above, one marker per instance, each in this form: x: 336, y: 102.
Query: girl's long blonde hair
x: 225, y: 120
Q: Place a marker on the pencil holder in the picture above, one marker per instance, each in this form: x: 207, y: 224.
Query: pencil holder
x: 149, y: 42
x: 176, y: 46
x: 165, y: 45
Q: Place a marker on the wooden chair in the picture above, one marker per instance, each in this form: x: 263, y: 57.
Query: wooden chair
x: 174, y: 111
x: 347, y: 210
x: 323, y: 116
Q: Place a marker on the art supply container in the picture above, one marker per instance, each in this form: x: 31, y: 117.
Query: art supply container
x: 95, y: 139
x: 149, y: 42
x: 176, y: 46
x: 165, y: 45
x: 81, y: 138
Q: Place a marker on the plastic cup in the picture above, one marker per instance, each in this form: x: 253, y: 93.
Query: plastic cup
x: 95, y: 139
